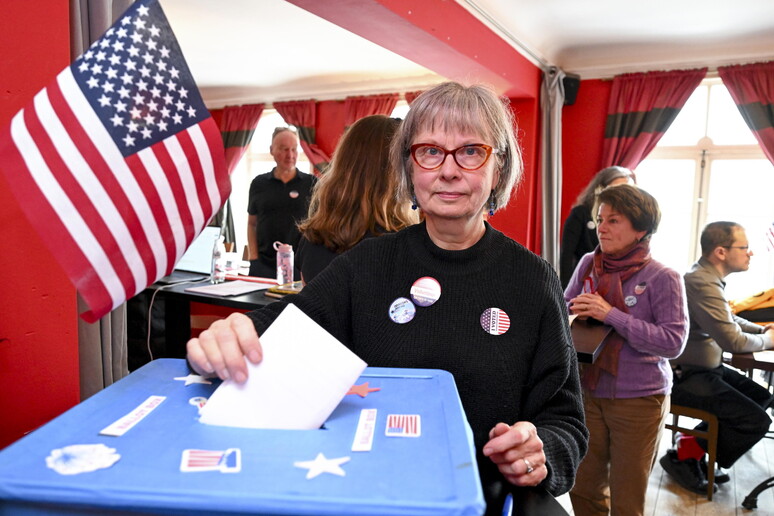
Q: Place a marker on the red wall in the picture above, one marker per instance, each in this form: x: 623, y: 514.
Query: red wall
x: 583, y: 130
x: 38, y: 325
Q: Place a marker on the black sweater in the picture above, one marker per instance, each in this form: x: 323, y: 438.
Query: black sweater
x: 528, y: 373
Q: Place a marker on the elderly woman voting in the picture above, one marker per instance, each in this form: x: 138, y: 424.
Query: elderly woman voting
x: 626, y: 390
x: 494, y: 316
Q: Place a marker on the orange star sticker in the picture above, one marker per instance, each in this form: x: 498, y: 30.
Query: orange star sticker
x: 362, y: 390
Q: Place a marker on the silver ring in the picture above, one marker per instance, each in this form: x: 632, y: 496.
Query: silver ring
x: 530, y: 469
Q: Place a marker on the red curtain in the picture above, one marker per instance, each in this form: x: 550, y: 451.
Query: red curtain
x: 356, y: 108
x: 642, y: 106
x: 237, y: 127
x: 411, y: 95
x: 302, y: 114
x: 752, y: 88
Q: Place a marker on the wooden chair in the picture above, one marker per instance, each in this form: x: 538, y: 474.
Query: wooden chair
x: 710, y: 435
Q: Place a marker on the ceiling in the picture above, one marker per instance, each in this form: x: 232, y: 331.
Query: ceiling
x: 244, y: 51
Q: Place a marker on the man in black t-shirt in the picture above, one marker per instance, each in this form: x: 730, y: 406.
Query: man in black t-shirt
x: 277, y: 201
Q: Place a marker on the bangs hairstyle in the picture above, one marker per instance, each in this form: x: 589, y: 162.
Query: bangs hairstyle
x: 356, y: 195
x: 635, y: 204
x: 450, y: 107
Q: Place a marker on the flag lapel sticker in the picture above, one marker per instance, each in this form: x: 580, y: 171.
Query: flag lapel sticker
x: 495, y: 321
x: 117, y: 163
x: 403, y: 425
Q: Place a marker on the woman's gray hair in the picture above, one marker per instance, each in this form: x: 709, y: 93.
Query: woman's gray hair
x: 476, y: 109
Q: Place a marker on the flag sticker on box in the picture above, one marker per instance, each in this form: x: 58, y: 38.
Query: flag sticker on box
x: 225, y: 461
x: 403, y: 425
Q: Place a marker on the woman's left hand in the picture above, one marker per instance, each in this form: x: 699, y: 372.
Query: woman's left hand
x: 518, y: 452
x: 590, y: 305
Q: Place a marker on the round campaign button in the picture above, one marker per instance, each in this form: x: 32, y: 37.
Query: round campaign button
x: 402, y: 310
x: 293, y: 194
x: 630, y: 301
x: 591, y: 225
x: 425, y: 291
x: 639, y: 289
x: 495, y: 321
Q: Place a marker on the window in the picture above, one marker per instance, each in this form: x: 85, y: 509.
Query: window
x: 708, y: 167
x: 257, y: 160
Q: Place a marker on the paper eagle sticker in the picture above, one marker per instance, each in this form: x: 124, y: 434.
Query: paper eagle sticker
x: 81, y: 458
x: 225, y: 461
x: 495, y: 321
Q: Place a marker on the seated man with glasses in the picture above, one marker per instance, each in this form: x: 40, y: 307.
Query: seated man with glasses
x: 701, y: 380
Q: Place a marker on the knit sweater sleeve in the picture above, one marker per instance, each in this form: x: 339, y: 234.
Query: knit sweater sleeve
x: 553, y: 400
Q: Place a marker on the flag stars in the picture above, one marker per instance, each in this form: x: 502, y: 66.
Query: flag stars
x: 120, y: 107
x: 158, y: 78
x: 117, y: 120
x: 139, y: 98
x: 149, y: 120
x: 183, y: 93
x: 135, y: 113
x: 138, y: 24
x: 171, y: 85
x: 142, y: 85
x: 142, y: 10
x: 145, y: 71
x: 132, y: 126
x: 111, y: 73
x: 180, y: 105
x: 155, y: 31
x: 176, y: 118
x: 155, y: 92
x: 191, y: 111
x: 174, y: 72
x: 162, y: 126
x: 168, y: 99
x: 121, y: 33
x: 128, y: 141
x: 83, y: 67
x: 88, y: 54
x: 153, y: 106
x: 96, y: 69
x: 107, y: 87
x: 164, y: 112
x: 161, y: 65
x: 103, y: 44
x: 126, y: 20
x: 118, y: 46
x: 146, y: 133
x: 104, y: 100
x: 133, y: 51
x: 164, y: 52
x: 92, y: 82
x: 151, y: 44
x: 147, y: 57
x: 123, y: 93
x: 115, y: 60
x: 126, y: 78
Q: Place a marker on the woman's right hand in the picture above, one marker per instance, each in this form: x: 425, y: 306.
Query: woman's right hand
x: 220, y: 350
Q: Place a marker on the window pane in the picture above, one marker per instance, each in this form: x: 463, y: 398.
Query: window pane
x: 688, y: 127
x: 726, y: 125
x: 671, y: 181
x: 740, y: 191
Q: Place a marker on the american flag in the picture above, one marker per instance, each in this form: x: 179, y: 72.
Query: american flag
x: 117, y: 163
x: 403, y: 425
x: 228, y: 461
x: 495, y: 321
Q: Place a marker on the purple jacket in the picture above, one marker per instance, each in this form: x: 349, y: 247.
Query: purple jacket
x: 654, y: 330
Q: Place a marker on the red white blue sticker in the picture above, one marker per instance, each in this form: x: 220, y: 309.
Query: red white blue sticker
x: 495, y: 321
x: 640, y: 288
x: 293, y: 194
x: 425, y: 291
x: 403, y: 425
x: 225, y: 461
x: 402, y: 310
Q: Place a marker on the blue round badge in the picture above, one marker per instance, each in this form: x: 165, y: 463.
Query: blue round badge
x: 402, y: 310
x: 630, y: 301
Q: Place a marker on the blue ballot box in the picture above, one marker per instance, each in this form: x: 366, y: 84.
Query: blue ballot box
x: 421, y: 458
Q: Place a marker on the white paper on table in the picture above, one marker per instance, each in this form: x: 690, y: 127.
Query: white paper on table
x: 764, y: 356
x: 229, y: 288
x: 304, y: 374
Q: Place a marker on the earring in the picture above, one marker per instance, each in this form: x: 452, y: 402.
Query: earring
x: 413, y: 202
x: 492, y: 205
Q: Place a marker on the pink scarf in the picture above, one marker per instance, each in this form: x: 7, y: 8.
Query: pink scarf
x: 609, y: 274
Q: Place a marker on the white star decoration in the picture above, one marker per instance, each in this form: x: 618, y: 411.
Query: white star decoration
x: 322, y: 465
x: 193, y: 378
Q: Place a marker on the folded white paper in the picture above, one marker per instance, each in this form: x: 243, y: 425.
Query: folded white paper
x: 304, y: 374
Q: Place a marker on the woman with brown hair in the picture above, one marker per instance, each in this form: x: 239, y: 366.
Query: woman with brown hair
x: 355, y: 199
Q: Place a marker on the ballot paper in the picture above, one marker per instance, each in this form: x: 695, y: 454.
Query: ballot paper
x: 304, y: 375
